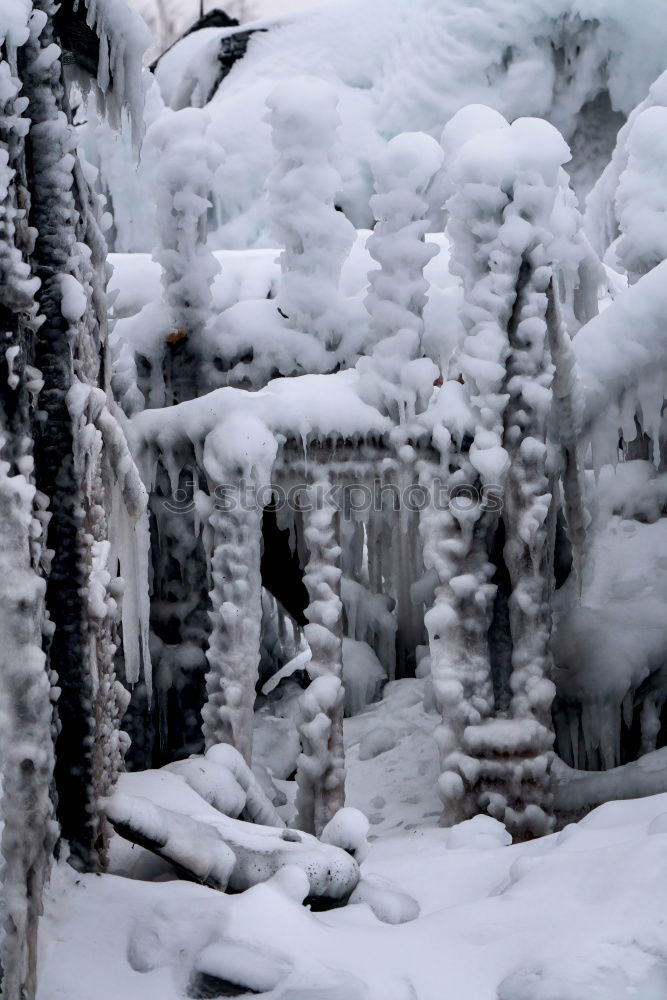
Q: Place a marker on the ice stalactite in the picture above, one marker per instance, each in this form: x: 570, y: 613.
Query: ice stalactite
x: 236, y: 598
x: 367, y: 606
x: 317, y: 238
x: 123, y: 39
x: 108, y: 699
x: 321, y: 765
x: 567, y: 404
x: 369, y: 619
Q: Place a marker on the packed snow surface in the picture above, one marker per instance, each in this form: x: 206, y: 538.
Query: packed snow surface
x: 574, y: 916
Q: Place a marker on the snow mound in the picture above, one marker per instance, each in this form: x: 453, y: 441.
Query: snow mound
x: 388, y: 904
x: 482, y: 919
x: 479, y: 833
x: 581, y: 64
x: 348, y: 829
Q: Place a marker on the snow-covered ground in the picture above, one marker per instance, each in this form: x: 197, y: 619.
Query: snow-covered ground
x: 578, y: 915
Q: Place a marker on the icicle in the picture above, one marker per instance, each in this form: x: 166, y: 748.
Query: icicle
x: 123, y: 38
x: 132, y: 539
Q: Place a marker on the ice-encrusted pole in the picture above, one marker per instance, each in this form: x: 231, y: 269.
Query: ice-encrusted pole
x: 69, y: 336
x: 396, y: 377
x: 185, y: 157
x: 539, y: 380
x: 321, y: 765
x: 237, y: 459
x: 506, y: 183
x: 26, y: 710
x: 455, y: 544
x: 303, y: 188
x: 456, y: 540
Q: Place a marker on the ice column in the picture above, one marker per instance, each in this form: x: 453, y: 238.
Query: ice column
x: 238, y: 459
x: 321, y: 765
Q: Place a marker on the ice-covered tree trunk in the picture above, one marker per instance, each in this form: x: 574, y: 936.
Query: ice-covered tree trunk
x: 57, y: 596
x: 507, y: 238
x: 26, y: 711
x: 75, y: 424
x: 26, y: 750
x: 51, y: 153
x: 321, y: 765
x: 529, y: 524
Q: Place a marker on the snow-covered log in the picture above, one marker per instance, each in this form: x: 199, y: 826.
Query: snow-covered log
x: 578, y: 792
x: 220, y: 851
x: 211, y: 776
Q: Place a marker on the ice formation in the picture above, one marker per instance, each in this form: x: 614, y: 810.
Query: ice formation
x: 233, y: 652
x: 581, y: 65
x: 395, y: 376
x: 321, y: 769
x: 316, y: 238
x: 470, y: 460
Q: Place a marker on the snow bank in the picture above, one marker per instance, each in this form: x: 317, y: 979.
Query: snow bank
x: 624, y: 209
x: 621, y: 357
x: 482, y: 919
x: 571, y: 62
